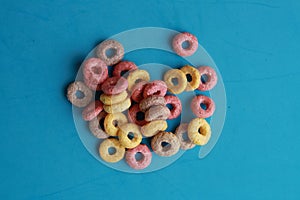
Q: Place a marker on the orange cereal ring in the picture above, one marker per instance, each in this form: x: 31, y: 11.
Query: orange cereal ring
x: 136, y: 76
x: 125, y: 131
x: 193, y: 77
x: 199, y: 131
x: 176, y: 81
x: 114, y: 144
x: 113, y: 121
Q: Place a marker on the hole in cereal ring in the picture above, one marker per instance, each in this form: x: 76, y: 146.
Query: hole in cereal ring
x: 188, y: 77
x: 79, y: 94
x: 185, y: 45
x: 204, y: 78
x: 157, y: 93
x: 139, y: 156
x: 185, y: 137
x: 115, y: 123
x: 140, y: 116
x: 110, y: 52
x: 201, y: 131
x: 170, y: 106
x: 124, y: 72
x: 203, y: 106
x: 130, y: 135
x: 96, y: 70
x: 138, y: 80
x: 165, y: 146
x: 101, y: 123
x: 112, y: 150
x: 175, y: 81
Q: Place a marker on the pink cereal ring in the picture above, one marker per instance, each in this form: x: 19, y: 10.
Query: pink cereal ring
x: 185, y: 37
x: 156, y: 87
x: 137, y: 91
x: 176, y: 106
x: 143, y: 162
x: 198, y: 110
x: 92, y: 110
x: 95, y: 72
x: 211, y: 76
x: 133, y: 115
x: 123, y: 67
x: 114, y: 85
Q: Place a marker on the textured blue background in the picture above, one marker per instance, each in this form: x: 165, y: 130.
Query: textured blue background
x: 255, y: 44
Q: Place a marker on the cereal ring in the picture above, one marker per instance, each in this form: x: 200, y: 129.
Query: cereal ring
x: 118, y: 107
x: 154, y: 100
x: 133, y: 115
x: 194, y: 74
x: 205, y: 101
x: 154, y: 127
x: 179, y: 39
x: 157, y: 113
x: 199, y: 131
x: 95, y: 126
x: 185, y: 143
x: 111, y: 143
x: 211, y: 76
x: 145, y: 160
x: 124, y: 134
x: 137, y: 91
x: 72, y: 93
x: 113, y: 99
x: 110, y: 44
x: 92, y: 110
x: 112, y: 121
x: 156, y: 87
x: 176, y: 106
x: 175, y: 80
x: 162, y: 138
x: 114, y: 85
x: 123, y: 67
x: 136, y: 76
x: 95, y: 72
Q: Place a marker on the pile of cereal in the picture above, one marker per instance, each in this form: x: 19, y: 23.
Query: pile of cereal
x: 145, y: 103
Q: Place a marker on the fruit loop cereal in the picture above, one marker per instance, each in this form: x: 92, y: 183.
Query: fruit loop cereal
x: 211, y: 78
x: 102, y: 49
x: 178, y: 41
x: 206, y: 102
x: 128, y: 107
x: 143, y: 162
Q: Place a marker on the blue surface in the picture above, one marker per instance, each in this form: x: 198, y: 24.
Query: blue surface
x: 256, y: 47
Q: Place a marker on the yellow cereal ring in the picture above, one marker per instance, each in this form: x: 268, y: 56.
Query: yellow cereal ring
x: 154, y: 127
x: 175, y: 75
x: 125, y: 131
x: 113, y: 99
x: 137, y: 76
x: 111, y: 143
x: 199, y: 131
x: 194, y: 74
x: 118, y: 107
x: 112, y: 123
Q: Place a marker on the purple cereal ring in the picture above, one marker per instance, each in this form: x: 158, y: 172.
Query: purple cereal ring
x: 154, y: 100
x: 172, y: 144
x: 156, y: 87
x: 176, y: 106
x: 198, y: 110
x: 92, y: 110
x: 185, y: 142
x: 122, y: 67
x: 73, y: 90
x: 143, y: 162
x: 133, y: 115
x: 137, y: 91
x: 157, y: 113
x: 103, y: 47
x: 185, y: 37
x: 114, y: 85
x: 94, y: 72
x: 211, y: 78
x: 96, y: 126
